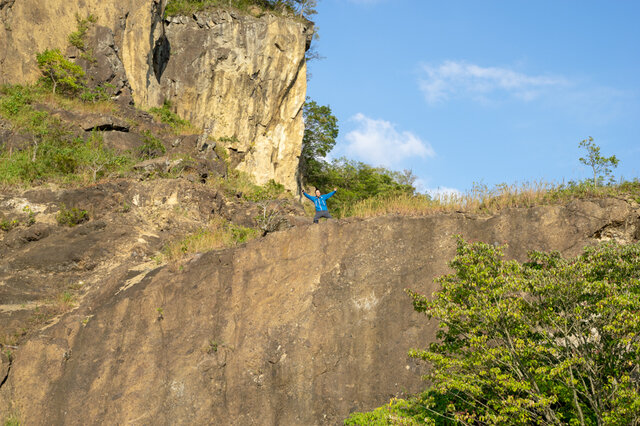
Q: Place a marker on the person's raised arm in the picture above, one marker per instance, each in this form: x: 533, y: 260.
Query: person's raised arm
x: 330, y: 194
x: 307, y: 195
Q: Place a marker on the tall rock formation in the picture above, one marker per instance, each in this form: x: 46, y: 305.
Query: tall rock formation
x: 241, y: 78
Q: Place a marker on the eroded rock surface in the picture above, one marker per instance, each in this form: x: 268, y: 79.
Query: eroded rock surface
x: 300, y: 327
x: 242, y: 79
x: 239, y: 78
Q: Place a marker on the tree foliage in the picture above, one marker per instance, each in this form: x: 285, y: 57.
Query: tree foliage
x: 357, y: 181
x: 320, y: 133
x: 600, y: 166
x: 550, y: 341
x: 306, y: 7
x: 59, y: 71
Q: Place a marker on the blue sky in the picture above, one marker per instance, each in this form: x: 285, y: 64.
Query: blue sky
x: 480, y: 90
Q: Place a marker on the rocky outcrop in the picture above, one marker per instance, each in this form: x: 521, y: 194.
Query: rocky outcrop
x: 32, y: 26
x: 300, y: 327
x: 129, y: 223
x: 240, y: 78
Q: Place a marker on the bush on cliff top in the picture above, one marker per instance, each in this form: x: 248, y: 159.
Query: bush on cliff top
x: 188, y: 7
x: 550, y: 341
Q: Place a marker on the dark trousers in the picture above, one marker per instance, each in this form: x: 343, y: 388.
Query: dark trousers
x: 323, y: 213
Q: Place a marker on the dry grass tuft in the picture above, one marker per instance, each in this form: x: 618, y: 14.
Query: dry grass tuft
x: 77, y: 105
x: 217, y: 234
x: 483, y: 200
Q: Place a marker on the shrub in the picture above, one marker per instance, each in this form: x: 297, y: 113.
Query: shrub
x: 14, y: 99
x: 59, y: 71
x: 241, y: 234
x: 98, y: 160
x: 97, y: 94
x: 270, y: 218
x: 152, y: 147
x: 166, y: 115
x: 269, y: 191
x: 71, y: 217
x: 549, y: 341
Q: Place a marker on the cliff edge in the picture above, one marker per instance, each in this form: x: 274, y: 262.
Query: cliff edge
x: 303, y: 326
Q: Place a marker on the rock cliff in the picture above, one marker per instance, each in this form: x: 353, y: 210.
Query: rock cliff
x: 300, y: 327
x: 241, y: 78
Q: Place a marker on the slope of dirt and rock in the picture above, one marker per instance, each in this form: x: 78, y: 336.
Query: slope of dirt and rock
x: 302, y: 326
x: 129, y: 223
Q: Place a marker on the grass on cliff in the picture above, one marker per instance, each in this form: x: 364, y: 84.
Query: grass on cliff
x: 189, y: 7
x: 166, y: 115
x: 47, y: 150
x: 483, y: 200
x: 217, y: 234
x: 241, y: 185
x: 12, y: 420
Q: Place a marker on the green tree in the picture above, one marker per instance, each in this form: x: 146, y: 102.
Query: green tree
x: 600, y: 166
x: 550, y: 341
x: 59, y: 71
x: 358, y: 181
x: 320, y: 133
x: 306, y: 7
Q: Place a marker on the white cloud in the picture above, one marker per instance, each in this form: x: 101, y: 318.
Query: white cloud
x: 379, y: 143
x: 366, y: 1
x: 442, y: 193
x: 460, y: 79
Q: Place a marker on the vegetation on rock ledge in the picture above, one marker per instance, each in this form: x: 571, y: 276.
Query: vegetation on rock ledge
x: 187, y: 7
x: 53, y: 152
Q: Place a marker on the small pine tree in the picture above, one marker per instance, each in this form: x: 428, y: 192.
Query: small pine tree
x: 59, y: 71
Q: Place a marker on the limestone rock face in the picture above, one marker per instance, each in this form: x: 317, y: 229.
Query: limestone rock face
x: 31, y: 26
x: 241, y: 78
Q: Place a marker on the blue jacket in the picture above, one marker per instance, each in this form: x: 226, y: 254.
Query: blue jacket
x: 321, y: 201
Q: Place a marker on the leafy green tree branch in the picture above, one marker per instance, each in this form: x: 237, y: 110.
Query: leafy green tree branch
x: 600, y: 166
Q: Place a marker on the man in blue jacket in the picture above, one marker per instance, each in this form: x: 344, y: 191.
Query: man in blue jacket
x: 321, y: 204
